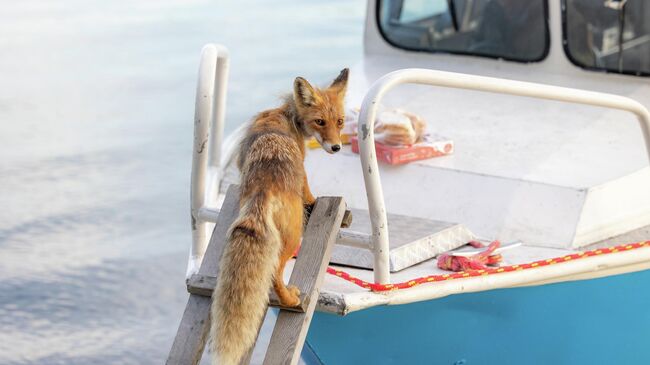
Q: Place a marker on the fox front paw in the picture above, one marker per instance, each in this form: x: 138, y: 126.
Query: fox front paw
x: 308, y: 208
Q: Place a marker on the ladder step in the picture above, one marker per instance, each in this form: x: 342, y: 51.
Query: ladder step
x: 193, y: 330
x: 204, y: 285
x: 347, y: 219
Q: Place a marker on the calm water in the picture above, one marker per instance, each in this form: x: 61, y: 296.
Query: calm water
x: 96, y: 107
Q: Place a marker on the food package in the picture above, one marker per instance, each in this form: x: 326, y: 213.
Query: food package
x: 419, y: 126
x: 430, y: 146
x: 398, y: 127
x: 394, y: 128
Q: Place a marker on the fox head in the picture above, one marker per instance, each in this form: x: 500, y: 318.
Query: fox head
x: 321, y: 111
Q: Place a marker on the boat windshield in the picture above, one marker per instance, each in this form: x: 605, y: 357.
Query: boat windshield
x: 608, y: 35
x: 511, y: 29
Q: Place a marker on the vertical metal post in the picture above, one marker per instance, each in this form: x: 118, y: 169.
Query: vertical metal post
x: 216, y: 127
x: 376, y: 205
x: 208, y: 131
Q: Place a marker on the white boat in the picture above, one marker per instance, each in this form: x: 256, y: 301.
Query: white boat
x: 547, y: 104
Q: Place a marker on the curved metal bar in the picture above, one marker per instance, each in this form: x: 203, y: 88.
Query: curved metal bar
x: 377, y: 91
x: 208, y: 132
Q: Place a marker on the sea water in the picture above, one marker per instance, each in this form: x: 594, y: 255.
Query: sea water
x: 96, y: 117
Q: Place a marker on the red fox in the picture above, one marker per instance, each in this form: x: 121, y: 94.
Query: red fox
x: 273, y: 194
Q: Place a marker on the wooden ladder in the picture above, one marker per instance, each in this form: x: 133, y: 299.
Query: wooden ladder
x: 292, y: 324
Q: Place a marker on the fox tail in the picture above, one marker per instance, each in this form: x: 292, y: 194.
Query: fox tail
x: 249, y: 261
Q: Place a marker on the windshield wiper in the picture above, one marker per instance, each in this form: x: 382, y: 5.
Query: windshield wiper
x: 620, y: 6
x: 621, y: 29
x: 451, y: 5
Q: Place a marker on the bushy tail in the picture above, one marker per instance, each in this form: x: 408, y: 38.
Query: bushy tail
x: 245, y: 276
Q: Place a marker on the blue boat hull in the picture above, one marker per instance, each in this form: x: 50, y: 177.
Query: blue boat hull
x: 599, y: 321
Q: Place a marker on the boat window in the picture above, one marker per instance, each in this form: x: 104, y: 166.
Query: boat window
x: 511, y: 29
x: 608, y: 35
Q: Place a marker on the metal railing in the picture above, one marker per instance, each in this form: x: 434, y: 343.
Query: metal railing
x: 210, y: 110
x: 376, y: 206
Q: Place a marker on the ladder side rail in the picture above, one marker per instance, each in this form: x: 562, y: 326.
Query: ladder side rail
x: 308, y: 273
x: 192, y: 333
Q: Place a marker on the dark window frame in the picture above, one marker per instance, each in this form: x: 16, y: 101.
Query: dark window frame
x: 547, y: 43
x: 567, y: 53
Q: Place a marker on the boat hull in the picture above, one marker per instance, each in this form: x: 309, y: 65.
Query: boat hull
x: 598, y: 321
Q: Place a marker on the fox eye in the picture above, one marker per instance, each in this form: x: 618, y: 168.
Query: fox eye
x: 320, y: 122
x: 340, y: 121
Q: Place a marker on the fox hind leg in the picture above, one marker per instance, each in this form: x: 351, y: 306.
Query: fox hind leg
x: 289, y: 295
x: 290, y: 227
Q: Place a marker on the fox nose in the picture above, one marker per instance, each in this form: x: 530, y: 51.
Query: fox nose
x: 336, y: 147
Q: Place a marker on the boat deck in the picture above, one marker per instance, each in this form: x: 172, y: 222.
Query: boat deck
x: 341, y: 297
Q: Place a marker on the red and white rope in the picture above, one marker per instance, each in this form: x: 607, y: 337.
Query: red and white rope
x: 487, y: 271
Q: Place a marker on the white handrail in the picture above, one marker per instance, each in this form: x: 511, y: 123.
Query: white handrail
x: 209, y: 114
x: 376, y: 206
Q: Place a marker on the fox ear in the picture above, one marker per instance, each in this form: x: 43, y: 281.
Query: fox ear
x: 303, y: 92
x: 341, y: 81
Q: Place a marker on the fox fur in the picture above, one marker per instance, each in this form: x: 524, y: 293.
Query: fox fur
x: 273, y: 195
